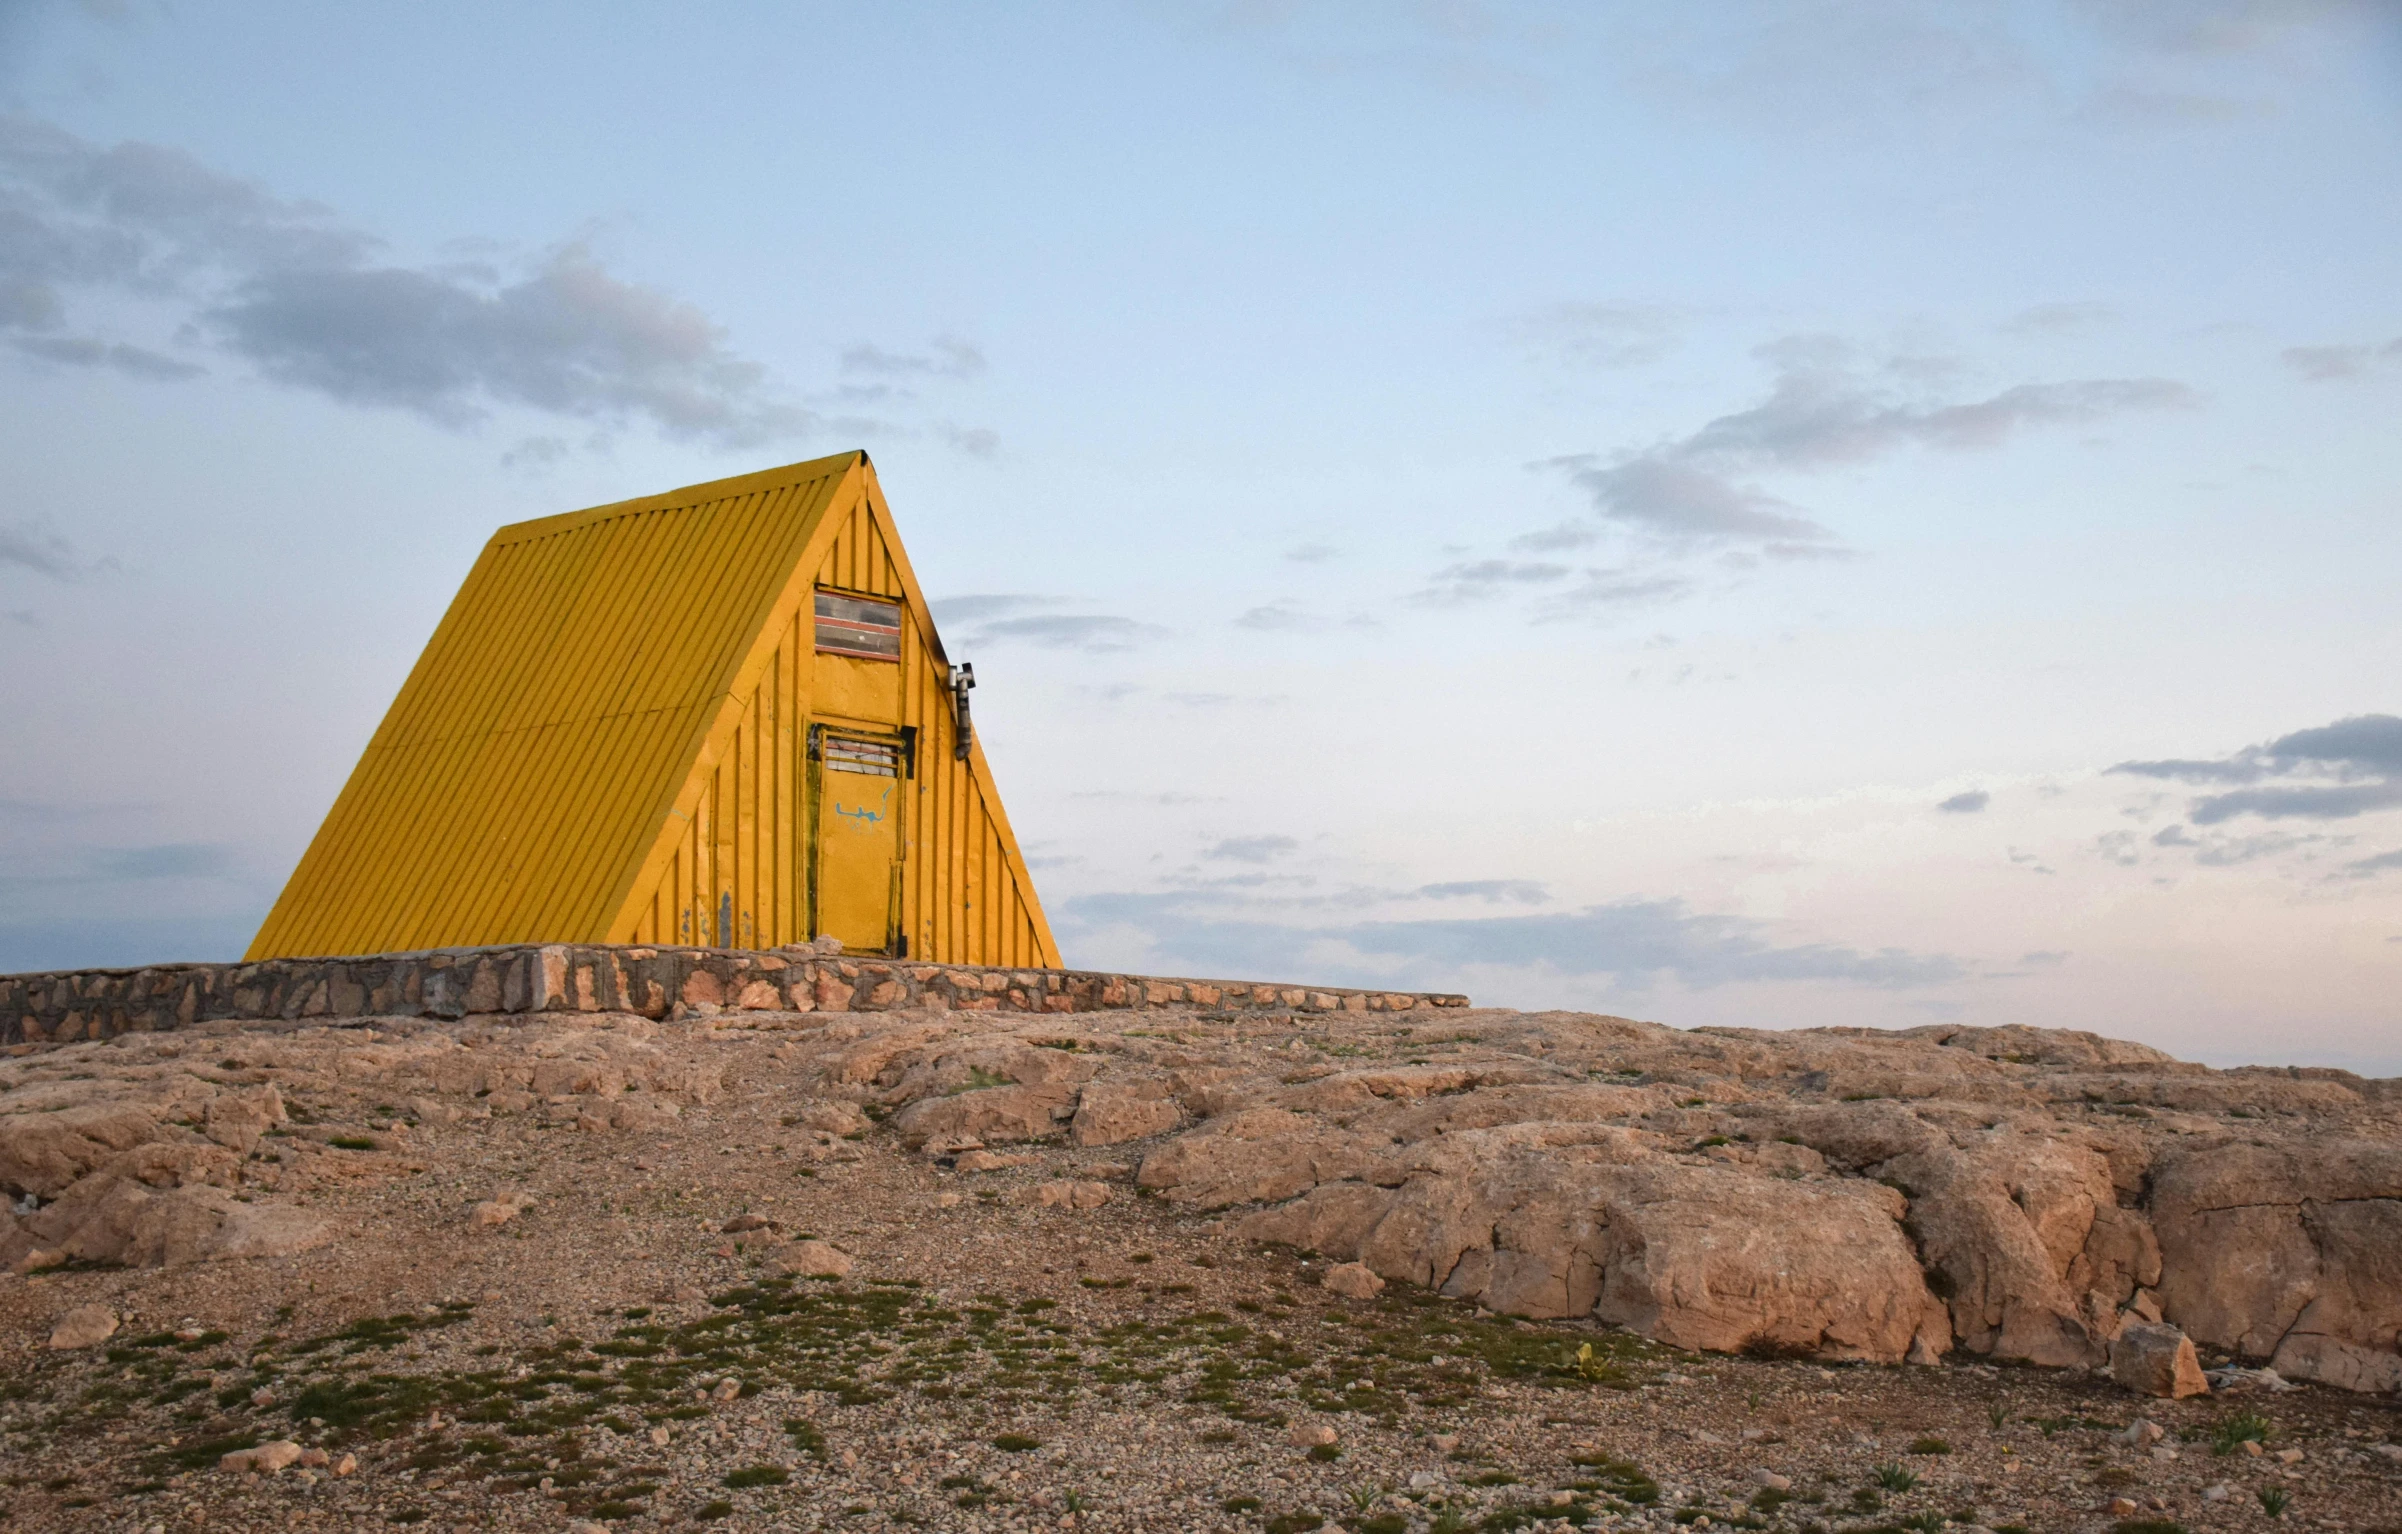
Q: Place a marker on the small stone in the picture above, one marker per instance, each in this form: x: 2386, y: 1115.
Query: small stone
x: 315, y: 1459
x: 267, y: 1457
x: 2157, y: 1361
x: 262, y: 1397
x: 2140, y: 1432
x: 813, y: 1259
x: 1445, y: 1442
x: 2218, y: 1492
x: 2253, y: 1448
x: 949, y: 1200
x: 1353, y: 1281
x: 1563, y: 1499
x: 2289, y: 1456
x: 348, y: 1464
x: 1770, y: 1480
x: 850, y: 1459
x: 2122, y: 1507
x: 1310, y: 1435
x: 727, y: 1389
x: 659, y: 1437
x: 988, y: 1161
x: 2163, y: 1453
x: 1425, y: 1480
x: 490, y: 1213
x: 85, y: 1326
x: 743, y: 1222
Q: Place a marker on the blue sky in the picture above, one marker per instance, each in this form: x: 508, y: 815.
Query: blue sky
x: 1763, y: 514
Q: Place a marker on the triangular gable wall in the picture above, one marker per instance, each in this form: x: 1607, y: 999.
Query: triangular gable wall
x: 735, y: 839
x: 603, y: 742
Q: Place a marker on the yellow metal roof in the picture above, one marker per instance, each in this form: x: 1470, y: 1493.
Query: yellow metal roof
x: 522, y: 776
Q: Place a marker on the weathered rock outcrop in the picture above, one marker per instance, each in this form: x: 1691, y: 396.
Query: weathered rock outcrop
x: 1839, y: 1193
x: 1843, y: 1193
x: 177, y: 1154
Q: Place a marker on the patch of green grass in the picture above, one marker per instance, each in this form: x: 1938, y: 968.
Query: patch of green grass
x: 1294, y: 1523
x: 710, y: 1511
x: 1326, y: 1453
x: 350, y: 1142
x: 1894, y: 1477
x: 1622, y: 1478
x: 1016, y: 1443
x: 1239, y: 1505
x: 1930, y: 1446
x: 2274, y: 1500
x: 2147, y: 1526
x: 757, y: 1475
x: 2232, y: 1433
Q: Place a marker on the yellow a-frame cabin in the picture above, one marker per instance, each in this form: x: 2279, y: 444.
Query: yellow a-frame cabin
x: 719, y: 717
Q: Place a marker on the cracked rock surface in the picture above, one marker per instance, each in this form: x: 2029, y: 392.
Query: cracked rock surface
x: 777, y: 1266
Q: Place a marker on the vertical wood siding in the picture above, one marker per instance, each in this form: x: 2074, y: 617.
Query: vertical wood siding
x: 965, y: 897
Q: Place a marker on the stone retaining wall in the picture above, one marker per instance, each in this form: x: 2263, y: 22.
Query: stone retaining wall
x: 557, y: 977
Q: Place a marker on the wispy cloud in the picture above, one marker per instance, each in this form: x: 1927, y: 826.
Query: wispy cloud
x: 1969, y: 803
x: 1478, y: 580
x: 2356, y: 762
x: 946, y: 357
x: 1600, y: 335
x: 1491, y: 891
x: 319, y: 304
x: 1826, y: 408
x: 991, y: 618
x: 1252, y: 849
x: 1633, y: 943
x: 2328, y: 364
x: 33, y: 544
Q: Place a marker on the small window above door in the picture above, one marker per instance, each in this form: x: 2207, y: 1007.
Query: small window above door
x: 858, y: 626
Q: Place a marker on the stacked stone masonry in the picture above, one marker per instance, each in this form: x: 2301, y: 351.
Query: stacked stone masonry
x: 655, y: 982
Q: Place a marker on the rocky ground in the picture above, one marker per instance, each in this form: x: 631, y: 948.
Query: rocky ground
x: 1155, y: 1270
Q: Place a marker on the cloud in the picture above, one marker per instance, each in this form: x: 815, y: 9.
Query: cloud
x: 1603, y: 592
x: 1479, y: 580
x: 314, y: 303
x: 1277, y: 617
x: 1252, y: 849
x: 947, y: 357
x: 2327, y: 364
x: 1099, y: 635
x: 1491, y: 891
x: 569, y: 339
x: 975, y: 441
x: 1600, y: 335
x: 979, y: 608
x: 1558, y: 539
x: 1968, y: 803
x: 30, y: 545
x: 1822, y: 411
x: 2361, y: 754
x: 2334, y: 803
x: 1633, y: 943
x: 2059, y: 319
x: 173, y: 860
x: 1007, y: 617
x: 1311, y: 553
x: 2370, y: 867
x: 83, y: 351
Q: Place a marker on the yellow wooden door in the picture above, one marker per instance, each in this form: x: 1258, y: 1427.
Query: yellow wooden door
x: 859, y: 779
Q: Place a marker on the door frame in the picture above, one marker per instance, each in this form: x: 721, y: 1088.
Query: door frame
x: 903, y: 738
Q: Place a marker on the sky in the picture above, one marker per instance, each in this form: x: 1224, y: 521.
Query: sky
x: 1771, y: 514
